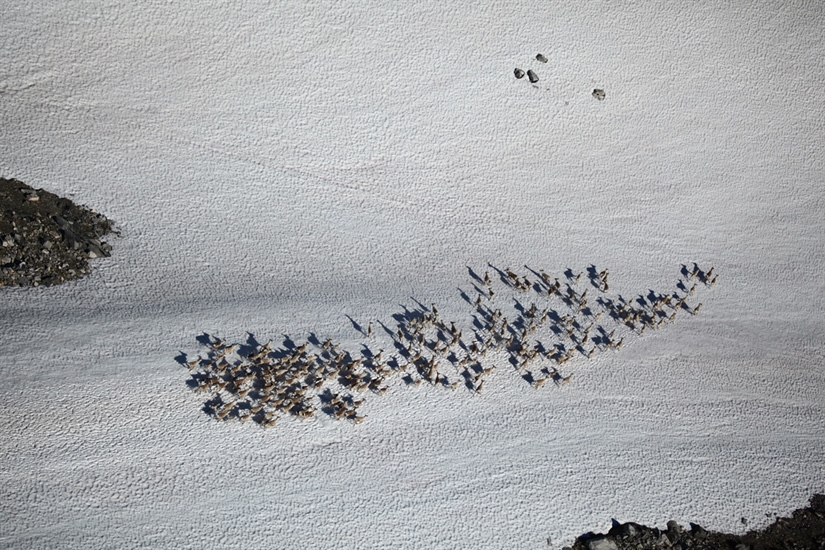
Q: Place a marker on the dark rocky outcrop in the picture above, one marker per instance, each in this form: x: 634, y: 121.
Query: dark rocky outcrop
x: 804, y: 530
x: 46, y: 239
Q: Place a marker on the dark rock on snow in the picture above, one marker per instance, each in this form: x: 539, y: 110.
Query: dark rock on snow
x: 46, y: 239
x: 804, y: 530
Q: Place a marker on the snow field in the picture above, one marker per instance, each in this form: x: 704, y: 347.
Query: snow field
x: 275, y: 168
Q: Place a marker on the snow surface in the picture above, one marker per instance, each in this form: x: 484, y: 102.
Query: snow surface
x: 278, y: 166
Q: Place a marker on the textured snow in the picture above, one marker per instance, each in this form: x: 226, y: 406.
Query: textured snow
x: 276, y: 167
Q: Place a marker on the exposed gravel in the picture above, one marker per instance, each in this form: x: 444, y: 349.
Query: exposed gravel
x: 804, y: 530
x: 46, y: 239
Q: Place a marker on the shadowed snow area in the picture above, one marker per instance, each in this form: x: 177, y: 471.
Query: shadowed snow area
x: 277, y: 167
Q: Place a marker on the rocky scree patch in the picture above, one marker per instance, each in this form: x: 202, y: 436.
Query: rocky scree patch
x: 804, y: 530
x: 46, y: 239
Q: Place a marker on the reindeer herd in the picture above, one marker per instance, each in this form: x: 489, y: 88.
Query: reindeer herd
x: 552, y: 320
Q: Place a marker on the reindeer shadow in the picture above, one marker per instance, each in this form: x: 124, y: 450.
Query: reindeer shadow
x: 407, y: 315
x: 422, y: 308
x: 204, y: 339
x: 501, y: 275
x: 251, y: 340
x: 356, y: 326
x: 474, y: 275
x: 595, y: 277
x: 289, y: 343
x: 534, y: 272
x: 387, y: 329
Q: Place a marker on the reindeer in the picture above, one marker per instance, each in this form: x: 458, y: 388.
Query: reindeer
x: 255, y: 357
x: 375, y: 383
x: 695, y: 270
x: 455, y: 339
x: 432, y: 373
x: 225, y: 410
